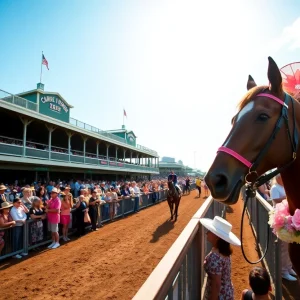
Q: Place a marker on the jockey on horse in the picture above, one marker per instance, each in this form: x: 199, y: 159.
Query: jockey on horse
x: 173, y: 177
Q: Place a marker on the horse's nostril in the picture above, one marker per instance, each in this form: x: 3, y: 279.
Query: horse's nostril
x: 221, y: 181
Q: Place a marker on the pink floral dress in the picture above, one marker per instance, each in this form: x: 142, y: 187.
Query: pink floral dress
x: 216, y: 264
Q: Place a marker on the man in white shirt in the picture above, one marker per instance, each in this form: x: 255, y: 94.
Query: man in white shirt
x: 277, y: 195
x: 18, y: 214
x: 137, y: 192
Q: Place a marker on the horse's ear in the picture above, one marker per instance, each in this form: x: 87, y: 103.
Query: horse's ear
x: 251, y: 83
x: 274, y: 76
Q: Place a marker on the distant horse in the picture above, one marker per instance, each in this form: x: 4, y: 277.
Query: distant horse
x: 264, y: 136
x: 173, y: 198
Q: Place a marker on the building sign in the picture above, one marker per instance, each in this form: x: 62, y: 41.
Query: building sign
x: 54, y: 106
x: 55, y: 103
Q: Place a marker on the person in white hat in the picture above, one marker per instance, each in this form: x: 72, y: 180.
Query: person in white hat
x: 5, y: 221
x: 217, y: 263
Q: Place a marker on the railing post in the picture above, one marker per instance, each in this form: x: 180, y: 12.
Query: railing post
x: 123, y: 208
x: 25, y: 237
x: 277, y: 270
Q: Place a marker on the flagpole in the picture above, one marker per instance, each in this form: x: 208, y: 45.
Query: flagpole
x: 41, y: 68
x: 123, y: 116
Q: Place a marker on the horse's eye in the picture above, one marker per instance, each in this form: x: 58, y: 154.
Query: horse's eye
x: 262, y: 117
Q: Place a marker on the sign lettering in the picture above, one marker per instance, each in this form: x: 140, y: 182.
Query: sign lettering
x: 55, y: 104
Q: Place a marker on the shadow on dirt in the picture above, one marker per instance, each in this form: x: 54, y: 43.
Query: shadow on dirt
x: 161, y: 230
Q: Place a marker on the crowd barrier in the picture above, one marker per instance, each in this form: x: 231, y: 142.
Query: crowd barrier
x: 180, y: 275
x: 126, y: 207
x: 258, y: 211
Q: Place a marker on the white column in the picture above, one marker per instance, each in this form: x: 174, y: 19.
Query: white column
x: 107, y: 151
x: 84, y: 146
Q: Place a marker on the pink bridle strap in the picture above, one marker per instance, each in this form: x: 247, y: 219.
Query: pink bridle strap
x: 273, y: 98
x: 243, y: 160
x: 235, y: 155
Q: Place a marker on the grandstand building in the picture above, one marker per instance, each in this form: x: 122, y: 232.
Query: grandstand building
x: 39, y: 139
x: 168, y: 163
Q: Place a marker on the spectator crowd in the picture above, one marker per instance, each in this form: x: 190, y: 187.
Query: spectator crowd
x: 57, y: 206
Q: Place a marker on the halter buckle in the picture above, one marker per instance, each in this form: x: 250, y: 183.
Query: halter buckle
x: 249, y: 178
x: 294, y: 155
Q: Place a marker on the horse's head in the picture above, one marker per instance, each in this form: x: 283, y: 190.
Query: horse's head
x: 251, y: 146
x: 170, y: 184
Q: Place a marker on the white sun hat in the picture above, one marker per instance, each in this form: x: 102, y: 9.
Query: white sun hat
x: 222, y: 229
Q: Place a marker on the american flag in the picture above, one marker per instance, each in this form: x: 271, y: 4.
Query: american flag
x: 125, y: 113
x: 45, y: 62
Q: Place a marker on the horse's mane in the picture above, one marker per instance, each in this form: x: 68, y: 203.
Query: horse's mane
x: 251, y: 95
x: 257, y: 90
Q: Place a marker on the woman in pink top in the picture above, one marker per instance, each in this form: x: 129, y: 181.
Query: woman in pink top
x: 53, y: 215
x: 65, y: 214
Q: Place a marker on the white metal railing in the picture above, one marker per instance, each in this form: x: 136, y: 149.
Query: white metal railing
x: 9, y: 147
x: 179, y: 274
x: 10, y: 98
x: 107, y: 134
x: 258, y: 211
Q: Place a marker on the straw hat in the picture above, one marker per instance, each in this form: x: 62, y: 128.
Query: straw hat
x: 55, y: 190
x: 221, y: 228
x: 5, y: 205
x: 2, y: 187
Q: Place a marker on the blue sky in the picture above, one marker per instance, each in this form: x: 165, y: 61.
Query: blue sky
x: 177, y: 67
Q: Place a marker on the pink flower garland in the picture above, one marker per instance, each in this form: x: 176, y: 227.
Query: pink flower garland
x: 285, y: 226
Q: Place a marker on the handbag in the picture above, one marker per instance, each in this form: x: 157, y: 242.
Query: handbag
x: 87, y: 218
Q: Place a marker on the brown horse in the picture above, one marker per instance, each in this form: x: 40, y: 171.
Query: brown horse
x: 173, y: 198
x: 264, y: 136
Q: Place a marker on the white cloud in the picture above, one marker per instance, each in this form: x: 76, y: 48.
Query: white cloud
x: 289, y: 38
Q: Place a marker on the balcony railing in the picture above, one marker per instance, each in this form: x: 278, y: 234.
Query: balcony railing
x: 101, y: 161
x: 108, y: 134
x: 10, y: 98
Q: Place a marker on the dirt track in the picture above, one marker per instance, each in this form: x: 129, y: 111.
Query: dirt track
x: 113, y: 262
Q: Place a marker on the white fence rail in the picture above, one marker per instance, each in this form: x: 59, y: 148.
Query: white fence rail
x: 179, y: 274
